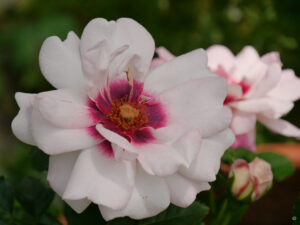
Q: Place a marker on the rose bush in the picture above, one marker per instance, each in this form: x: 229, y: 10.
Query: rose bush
x: 118, y: 135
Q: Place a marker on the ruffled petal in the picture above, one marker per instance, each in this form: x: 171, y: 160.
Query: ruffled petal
x: 288, y: 87
x: 21, y: 123
x: 65, y: 108
x: 204, y: 98
x: 165, y: 159
x: 183, y: 191
x: 183, y: 68
x: 59, y: 172
x: 54, y: 140
x: 246, y: 140
x: 242, y: 122
x: 111, y: 48
x: 101, y: 179
x: 207, y: 163
x: 280, y: 126
x: 272, y: 57
x: 150, y: 196
x: 267, y: 106
x: 219, y: 55
x: 60, y: 62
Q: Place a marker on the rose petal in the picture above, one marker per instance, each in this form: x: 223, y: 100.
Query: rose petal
x: 242, y: 122
x: 21, y: 123
x: 60, y: 62
x: 53, y: 140
x: 219, y: 55
x: 59, y: 172
x: 207, y: 163
x: 183, y: 68
x: 183, y: 191
x: 101, y: 179
x: 150, y: 196
x: 280, y: 126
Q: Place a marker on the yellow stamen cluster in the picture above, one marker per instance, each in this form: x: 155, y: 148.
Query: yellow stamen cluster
x: 127, y: 115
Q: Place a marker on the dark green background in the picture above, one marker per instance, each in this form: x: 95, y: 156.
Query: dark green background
x: 179, y: 25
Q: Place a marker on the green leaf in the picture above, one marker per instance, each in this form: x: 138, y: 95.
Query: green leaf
x: 90, y: 216
x: 174, y: 215
x: 296, y: 213
x: 240, y: 153
x: 281, y: 166
x: 39, y: 159
x: 6, y: 196
x: 34, y: 197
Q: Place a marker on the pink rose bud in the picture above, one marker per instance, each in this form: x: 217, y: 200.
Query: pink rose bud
x: 242, y: 185
x: 262, y: 176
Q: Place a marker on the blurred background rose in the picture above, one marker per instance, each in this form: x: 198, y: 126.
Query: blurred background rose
x: 180, y: 26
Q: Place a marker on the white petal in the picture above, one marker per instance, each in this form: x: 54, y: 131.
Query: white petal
x: 115, y: 138
x: 207, y: 163
x: 101, y: 179
x: 59, y: 172
x: 242, y: 122
x: 267, y: 82
x: 280, y: 126
x: 54, y: 140
x: 219, y: 55
x: 104, y: 42
x: 150, y: 197
x: 267, y: 106
x: 60, y: 62
x: 235, y: 91
x: 65, y: 108
x: 20, y: 124
x: 288, y: 88
x: 183, y: 68
x: 183, y: 191
x: 204, y: 100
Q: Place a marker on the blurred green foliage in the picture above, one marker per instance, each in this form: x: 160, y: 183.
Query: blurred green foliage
x: 179, y: 25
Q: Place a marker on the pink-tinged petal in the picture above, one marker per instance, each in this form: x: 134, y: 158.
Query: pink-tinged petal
x: 150, y: 196
x: 204, y: 100
x: 288, y: 87
x: 267, y: 83
x: 183, y: 191
x: 60, y: 62
x: 21, y: 123
x: 164, y: 54
x: 136, y: 91
x: 54, y: 140
x: 119, y: 88
x: 101, y: 179
x: 94, y: 112
x: 246, y: 59
x: 59, y: 172
x: 142, y: 136
x: 103, y: 102
x: 105, y: 44
x: 246, y: 140
x: 235, y: 91
x: 219, y: 55
x: 272, y: 57
x: 242, y: 122
x: 106, y: 148
x: 115, y: 138
x: 156, y: 62
x: 267, y: 106
x: 65, y: 108
x: 157, y: 116
x: 280, y: 126
x: 207, y: 163
x: 183, y: 68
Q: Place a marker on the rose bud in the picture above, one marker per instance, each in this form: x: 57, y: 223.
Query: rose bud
x: 262, y: 176
x: 242, y: 185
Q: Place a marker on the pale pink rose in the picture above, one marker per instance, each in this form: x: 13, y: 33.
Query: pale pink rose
x: 254, y: 178
x: 262, y: 176
x: 127, y: 139
x: 258, y: 89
